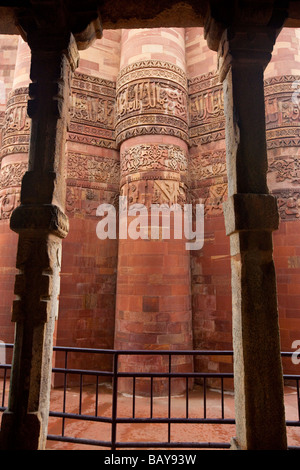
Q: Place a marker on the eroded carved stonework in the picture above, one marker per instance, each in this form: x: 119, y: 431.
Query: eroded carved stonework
x: 207, y: 165
x: 208, y: 180
x: 282, y: 100
x: 9, y: 200
x: 206, y: 109
x: 11, y: 174
x: 151, y: 99
x: 149, y: 192
x: 145, y: 157
x: 286, y: 168
x: 92, y: 111
x: 288, y: 202
x: 92, y: 180
x: 83, y: 200
x: 282, y: 111
x: 10, y: 187
x: 16, y: 127
x: 92, y: 168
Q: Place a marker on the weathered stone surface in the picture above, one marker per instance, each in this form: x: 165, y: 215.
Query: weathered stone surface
x: 41, y: 224
x: 250, y: 217
x: 250, y: 212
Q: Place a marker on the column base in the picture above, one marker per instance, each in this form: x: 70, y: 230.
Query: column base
x: 19, y: 433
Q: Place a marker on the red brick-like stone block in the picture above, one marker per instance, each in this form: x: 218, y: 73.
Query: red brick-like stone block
x: 150, y: 304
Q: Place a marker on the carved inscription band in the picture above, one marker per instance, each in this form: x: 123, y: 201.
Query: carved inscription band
x: 151, y: 98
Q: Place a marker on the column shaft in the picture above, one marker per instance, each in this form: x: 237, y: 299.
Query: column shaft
x: 153, y: 307
x: 250, y: 217
x: 41, y: 225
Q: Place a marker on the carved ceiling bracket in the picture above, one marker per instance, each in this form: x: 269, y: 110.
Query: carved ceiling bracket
x: 246, y: 31
x: 58, y: 18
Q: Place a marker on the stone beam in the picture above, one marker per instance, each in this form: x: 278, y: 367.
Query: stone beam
x: 151, y: 14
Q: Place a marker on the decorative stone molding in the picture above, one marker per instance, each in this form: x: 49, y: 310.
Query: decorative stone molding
x: 208, y: 180
x: 282, y: 111
x: 151, y: 99
x: 149, y: 192
x: 93, y: 169
x: 206, y: 109
x: 288, y: 201
x: 152, y: 69
x: 11, y: 174
x: 207, y: 165
x: 287, y: 168
x: 283, y: 132
x: 16, y: 126
x: 45, y: 218
x: 145, y: 157
x: 92, y: 111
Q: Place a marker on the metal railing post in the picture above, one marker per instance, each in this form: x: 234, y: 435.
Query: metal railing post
x: 114, y: 402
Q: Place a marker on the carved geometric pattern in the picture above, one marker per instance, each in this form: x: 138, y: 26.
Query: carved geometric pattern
x: 146, y: 157
x: 11, y: 175
x: 288, y: 202
x: 16, y: 127
x: 92, y: 168
x: 155, y: 192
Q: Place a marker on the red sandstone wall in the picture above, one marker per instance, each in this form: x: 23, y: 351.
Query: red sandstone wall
x: 89, y: 265
x: 210, y: 267
x: 8, y: 53
x: 88, y: 275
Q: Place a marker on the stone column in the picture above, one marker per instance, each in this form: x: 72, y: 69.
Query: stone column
x: 41, y: 224
x: 153, y: 309
x: 14, y: 163
x: 250, y: 217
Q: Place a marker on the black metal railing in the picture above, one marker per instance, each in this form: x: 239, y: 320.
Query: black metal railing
x: 86, y: 385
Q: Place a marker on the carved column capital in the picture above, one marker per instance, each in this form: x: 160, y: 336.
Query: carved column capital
x: 250, y: 46
x: 52, y: 46
x: 243, y: 32
x: 251, y: 212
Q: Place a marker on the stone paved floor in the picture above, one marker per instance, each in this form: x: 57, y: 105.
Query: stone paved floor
x: 154, y: 432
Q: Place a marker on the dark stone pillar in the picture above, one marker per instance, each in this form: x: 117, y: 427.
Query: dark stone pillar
x: 41, y: 224
x: 250, y: 217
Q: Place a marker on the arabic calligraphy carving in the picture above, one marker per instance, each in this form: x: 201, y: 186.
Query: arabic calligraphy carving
x: 156, y: 105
